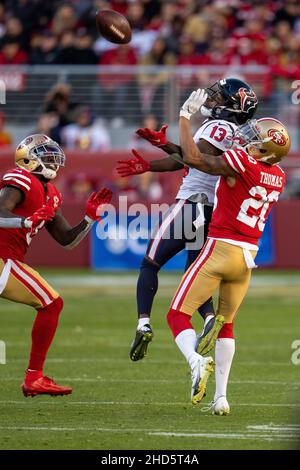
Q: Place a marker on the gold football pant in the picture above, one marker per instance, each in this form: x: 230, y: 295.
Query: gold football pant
x: 20, y: 283
x: 222, y: 266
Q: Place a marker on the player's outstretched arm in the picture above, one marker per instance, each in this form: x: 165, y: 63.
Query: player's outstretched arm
x: 138, y: 165
x: 192, y: 154
x: 165, y: 164
x: 69, y: 237
x: 159, y: 139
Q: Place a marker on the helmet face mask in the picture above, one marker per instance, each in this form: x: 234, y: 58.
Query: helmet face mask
x: 248, y: 134
x: 40, y: 155
x: 214, y: 99
x: 265, y: 139
x: 230, y: 99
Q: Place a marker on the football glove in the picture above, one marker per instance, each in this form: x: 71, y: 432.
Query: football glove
x: 134, y: 166
x: 193, y: 103
x: 156, y: 138
x: 38, y: 218
x: 94, y: 203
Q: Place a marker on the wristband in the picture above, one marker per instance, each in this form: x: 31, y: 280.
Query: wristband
x: 26, y: 223
x: 185, y: 114
x: 89, y: 220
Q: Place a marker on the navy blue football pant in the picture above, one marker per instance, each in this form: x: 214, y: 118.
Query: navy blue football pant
x: 174, y: 232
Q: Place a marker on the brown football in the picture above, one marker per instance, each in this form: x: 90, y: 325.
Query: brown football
x: 113, y: 26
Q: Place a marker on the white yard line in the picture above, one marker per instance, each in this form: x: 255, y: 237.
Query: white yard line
x: 288, y: 428
x: 238, y: 435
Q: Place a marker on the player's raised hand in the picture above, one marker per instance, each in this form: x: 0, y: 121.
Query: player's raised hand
x: 43, y: 214
x: 133, y: 166
x: 156, y: 138
x: 94, y: 203
x: 193, y: 103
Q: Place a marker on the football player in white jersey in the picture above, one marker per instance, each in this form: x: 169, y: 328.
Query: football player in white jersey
x: 230, y: 103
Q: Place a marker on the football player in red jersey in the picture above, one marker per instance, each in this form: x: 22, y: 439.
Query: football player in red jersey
x: 28, y: 202
x: 250, y: 183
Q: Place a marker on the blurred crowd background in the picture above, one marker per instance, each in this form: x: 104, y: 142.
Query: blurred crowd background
x: 90, y: 95
x: 193, y: 32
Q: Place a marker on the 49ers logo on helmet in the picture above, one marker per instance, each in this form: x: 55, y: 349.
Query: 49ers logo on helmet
x: 248, y: 99
x: 277, y: 136
x: 41, y: 140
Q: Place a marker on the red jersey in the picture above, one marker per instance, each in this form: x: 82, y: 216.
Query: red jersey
x: 241, y: 211
x: 14, y: 241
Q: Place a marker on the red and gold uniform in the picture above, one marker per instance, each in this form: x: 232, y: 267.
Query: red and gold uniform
x: 240, y: 212
x: 18, y: 282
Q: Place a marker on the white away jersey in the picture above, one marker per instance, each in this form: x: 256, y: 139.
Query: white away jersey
x: 218, y: 133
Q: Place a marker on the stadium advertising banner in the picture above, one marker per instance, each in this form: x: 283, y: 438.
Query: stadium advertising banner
x: 123, y: 252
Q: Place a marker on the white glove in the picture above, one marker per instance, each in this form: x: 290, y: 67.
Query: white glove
x: 193, y: 103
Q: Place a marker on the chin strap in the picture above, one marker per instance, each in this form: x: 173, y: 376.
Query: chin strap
x: 266, y: 159
x: 47, y: 173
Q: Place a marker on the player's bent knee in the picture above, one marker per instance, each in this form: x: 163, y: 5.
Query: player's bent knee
x: 207, y: 307
x: 178, y: 321
x: 150, y: 264
x: 55, y: 306
x: 226, y: 331
x: 59, y: 303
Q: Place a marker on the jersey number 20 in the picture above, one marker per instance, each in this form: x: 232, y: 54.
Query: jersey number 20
x: 256, y: 204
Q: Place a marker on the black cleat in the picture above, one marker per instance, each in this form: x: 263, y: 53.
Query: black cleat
x: 207, y: 339
x: 140, y: 343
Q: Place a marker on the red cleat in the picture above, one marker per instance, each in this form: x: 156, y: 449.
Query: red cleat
x: 43, y: 386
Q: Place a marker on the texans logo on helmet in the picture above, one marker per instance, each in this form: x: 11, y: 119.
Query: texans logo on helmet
x: 277, y: 136
x: 248, y: 99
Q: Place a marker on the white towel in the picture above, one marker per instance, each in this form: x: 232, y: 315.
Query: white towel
x: 5, y: 275
x: 199, y: 222
x: 248, y: 259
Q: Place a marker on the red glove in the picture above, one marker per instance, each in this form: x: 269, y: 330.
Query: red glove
x: 38, y: 218
x: 134, y: 166
x: 156, y: 138
x: 94, y: 203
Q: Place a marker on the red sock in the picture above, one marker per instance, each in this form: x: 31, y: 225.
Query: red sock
x: 226, y: 331
x: 42, y: 334
x: 178, y: 322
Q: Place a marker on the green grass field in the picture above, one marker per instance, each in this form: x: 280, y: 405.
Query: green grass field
x: 117, y: 404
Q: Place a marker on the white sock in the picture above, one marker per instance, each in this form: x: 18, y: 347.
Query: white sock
x: 186, y: 341
x: 143, y: 321
x: 225, y: 348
